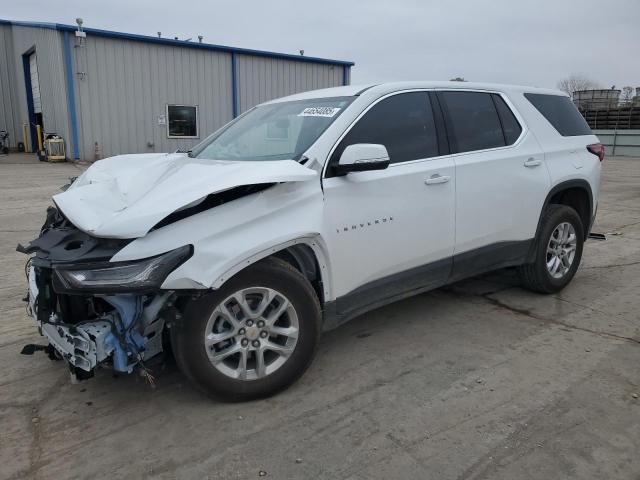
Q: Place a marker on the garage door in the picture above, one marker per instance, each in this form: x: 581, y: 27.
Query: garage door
x: 35, y: 83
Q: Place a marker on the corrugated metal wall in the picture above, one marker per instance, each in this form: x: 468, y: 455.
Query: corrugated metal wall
x: 48, y: 47
x: 125, y: 86
x: 9, y: 118
x: 122, y: 87
x: 262, y: 78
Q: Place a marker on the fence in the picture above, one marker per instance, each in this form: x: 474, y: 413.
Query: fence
x: 620, y: 142
x: 626, y: 117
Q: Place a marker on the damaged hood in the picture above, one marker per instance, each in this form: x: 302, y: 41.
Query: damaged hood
x: 127, y: 195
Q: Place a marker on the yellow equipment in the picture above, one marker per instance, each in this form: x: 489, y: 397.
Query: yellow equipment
x: 25, y: 138
x: 39, y: 137
x: 54, y: 148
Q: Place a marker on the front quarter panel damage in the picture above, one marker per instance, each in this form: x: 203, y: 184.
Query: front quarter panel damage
x: 226, y: 232
x: 231, y: 236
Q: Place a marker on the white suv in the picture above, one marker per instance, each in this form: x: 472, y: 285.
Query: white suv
x: 303, y: 213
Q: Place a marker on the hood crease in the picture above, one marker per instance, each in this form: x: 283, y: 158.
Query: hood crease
x: 126, y: 196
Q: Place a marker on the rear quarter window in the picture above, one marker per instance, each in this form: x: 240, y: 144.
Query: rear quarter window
x: 561, y: 113
x: 510, y: 125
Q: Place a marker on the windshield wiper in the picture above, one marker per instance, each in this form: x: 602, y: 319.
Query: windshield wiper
x: 188, y: 152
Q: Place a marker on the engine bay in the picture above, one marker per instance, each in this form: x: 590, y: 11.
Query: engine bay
x: 101, y: 326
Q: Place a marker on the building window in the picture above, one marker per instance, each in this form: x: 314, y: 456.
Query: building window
x: 182, y: 121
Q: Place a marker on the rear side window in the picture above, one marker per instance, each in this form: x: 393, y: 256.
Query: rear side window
x: 472, y: 121
x: 403, y: 123
x: 510, y: 125
x: 561, y: 113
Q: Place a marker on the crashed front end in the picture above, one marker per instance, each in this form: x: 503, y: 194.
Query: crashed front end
x: 93, y: 312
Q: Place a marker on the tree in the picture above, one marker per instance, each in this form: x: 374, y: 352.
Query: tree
x: 627, y: 95
x: 457, y: 79
x: 575, y: 83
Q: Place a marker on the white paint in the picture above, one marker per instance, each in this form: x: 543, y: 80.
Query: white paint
x: 125, y: 196
x: 362, y: 227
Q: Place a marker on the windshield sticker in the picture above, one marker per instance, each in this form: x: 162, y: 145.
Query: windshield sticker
x: 319, y: 112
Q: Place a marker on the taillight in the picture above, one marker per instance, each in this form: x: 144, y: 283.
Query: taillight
x: 597, y: 149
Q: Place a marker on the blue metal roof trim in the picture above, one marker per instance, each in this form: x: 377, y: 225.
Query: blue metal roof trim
x: 71, y: 94
x: 176, y: 43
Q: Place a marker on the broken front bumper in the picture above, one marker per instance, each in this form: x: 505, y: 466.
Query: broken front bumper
x: 85, y: 348
x: 124, y: 337
x: 91, y: 310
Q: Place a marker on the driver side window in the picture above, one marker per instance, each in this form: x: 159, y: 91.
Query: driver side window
x: 403, y: 123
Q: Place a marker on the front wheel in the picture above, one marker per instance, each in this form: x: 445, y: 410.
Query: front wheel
x: 253, y: 337
x: 558, y: 251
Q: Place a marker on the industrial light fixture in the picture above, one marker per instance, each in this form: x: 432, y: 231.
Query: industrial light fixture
x: 79, y: 32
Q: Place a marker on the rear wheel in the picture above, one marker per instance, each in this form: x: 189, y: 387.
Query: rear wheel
x: 253, y: 337
x: 558, y: 251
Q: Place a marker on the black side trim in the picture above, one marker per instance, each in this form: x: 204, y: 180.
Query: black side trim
x: 489, y: 258
x: 394, y: 287
x: 424, y: 278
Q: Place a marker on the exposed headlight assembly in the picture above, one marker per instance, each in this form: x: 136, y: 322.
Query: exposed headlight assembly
x: 121, y: 277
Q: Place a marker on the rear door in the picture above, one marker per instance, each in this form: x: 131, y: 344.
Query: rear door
x: 391, y: 231
x: 501, y: 180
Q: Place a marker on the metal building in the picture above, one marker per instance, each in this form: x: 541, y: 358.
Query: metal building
x: 132, y: 93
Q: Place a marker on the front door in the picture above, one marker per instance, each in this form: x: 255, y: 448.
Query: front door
x: 391, y: 232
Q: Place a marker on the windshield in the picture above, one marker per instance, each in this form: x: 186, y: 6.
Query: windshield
x: 279, y: 131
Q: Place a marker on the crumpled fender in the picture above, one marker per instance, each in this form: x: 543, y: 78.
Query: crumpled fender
x: 127, y: 195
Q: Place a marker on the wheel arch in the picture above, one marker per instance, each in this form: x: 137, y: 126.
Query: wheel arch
x: 575, y: 193
x: 306, y: 254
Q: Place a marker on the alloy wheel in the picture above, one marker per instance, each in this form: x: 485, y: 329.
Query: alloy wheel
x: 561, y: 250
x: 252, y: 333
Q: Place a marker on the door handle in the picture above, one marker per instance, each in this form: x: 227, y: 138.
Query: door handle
x: 437, y: 178
x: 532, y: 162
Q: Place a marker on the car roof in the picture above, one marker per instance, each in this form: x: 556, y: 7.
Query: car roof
x: 385, y: 88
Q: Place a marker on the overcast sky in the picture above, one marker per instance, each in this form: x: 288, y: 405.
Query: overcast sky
x: 534, y: 42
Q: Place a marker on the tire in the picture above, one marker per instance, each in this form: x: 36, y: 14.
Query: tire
x: 219, y: 314
x: 538, y: 276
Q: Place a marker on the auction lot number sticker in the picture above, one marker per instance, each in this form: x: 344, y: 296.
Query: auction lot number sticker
x: 319, y: 112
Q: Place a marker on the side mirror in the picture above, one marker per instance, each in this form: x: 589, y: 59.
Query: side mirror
x: 362, y: 157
